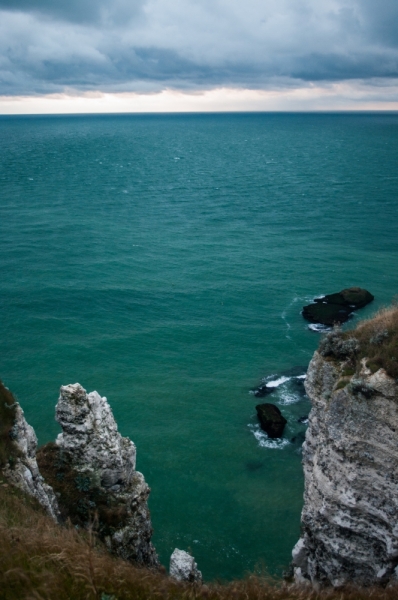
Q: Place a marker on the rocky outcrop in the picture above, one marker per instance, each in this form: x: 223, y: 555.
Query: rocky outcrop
x: 92, y: 469
x: 337, y: 308
x: 184, y: 568
x: 271, y: 419
x: 350, y: 458
x: 24, y: 471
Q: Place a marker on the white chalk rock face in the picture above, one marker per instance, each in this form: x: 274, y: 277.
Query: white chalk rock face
x: 183, y: 567
x: 96, y: 449
x: 25, y: 473
x: 350, y: 458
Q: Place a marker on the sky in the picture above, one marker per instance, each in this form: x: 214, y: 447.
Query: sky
x: 61, y: 56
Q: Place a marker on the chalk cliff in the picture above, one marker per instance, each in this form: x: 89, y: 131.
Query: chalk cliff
x: 350, y: 458
x: 92, y: 469
x: 24, y: 471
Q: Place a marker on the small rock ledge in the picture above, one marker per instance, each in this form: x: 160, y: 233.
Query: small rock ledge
x: 184, y: 568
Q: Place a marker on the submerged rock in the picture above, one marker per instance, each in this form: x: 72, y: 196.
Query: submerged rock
x: 271, y: 419
x: 263, y: 390
x: 183, y: 567
x: 92, y: 468
x: 350, y: 460
x: 24, y: 473
x: 334, y: 309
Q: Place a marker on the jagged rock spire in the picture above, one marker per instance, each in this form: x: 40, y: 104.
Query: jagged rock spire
x: 105, y: 463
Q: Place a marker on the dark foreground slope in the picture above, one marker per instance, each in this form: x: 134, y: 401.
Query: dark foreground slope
x: 42, y: 560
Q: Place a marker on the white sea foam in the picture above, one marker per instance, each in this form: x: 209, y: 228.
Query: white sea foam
x: 284, y: 315
x: 277, y: 382
x: 318, y: 327
x: 264, y: 441
x: 289, y: 399
x: 269, y: 377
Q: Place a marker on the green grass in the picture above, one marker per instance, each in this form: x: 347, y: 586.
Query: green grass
x: 342, y: 384
x: 348, y: 372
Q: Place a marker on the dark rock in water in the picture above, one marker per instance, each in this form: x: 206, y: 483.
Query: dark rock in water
x: 326, y: 314
x: 355, y: 297
x: 303, y: 419
x: 293, y: 374
x: 262, y: 391
x: 271, y: 419
x: 334, y: 309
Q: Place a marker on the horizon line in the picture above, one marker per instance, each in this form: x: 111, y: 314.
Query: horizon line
x: 203, y: 112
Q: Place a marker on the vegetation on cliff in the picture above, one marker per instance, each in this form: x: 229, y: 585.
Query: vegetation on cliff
x: 375, y: 340
x: 8, y: 449
x: 80, y: 499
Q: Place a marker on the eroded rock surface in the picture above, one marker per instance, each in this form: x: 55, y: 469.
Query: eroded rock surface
x: 350, y: 458
x: 24, y: 473
x: 183, y: 567
x: 93, y: 470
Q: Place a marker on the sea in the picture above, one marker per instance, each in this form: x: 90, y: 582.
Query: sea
x: 163, y: 260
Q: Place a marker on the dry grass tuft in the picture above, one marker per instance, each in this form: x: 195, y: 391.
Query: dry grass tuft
x: 375, y: 339
x: 42, y: 561
x: 378, y: 340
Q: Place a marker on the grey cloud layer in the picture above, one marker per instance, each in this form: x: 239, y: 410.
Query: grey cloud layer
x: 78, y: 11
x: 148, y: 45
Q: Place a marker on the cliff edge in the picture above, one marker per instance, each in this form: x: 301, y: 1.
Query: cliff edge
x: 350, y: 459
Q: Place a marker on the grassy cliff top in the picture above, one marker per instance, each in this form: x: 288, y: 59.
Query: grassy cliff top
x: 375, y: 339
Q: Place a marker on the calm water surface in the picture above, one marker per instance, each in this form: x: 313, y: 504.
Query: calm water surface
x: 163, y: 261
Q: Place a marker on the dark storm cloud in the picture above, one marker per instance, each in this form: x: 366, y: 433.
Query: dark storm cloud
x: 78, y: 11
x: 147, y: 45
x: 381, y: 20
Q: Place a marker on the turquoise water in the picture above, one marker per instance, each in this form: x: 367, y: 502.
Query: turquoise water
x: 163, y: 261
